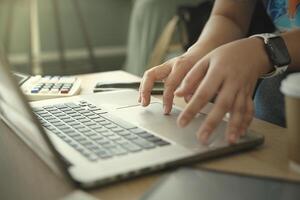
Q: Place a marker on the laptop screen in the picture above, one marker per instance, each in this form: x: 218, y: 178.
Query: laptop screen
x: 16, y: 112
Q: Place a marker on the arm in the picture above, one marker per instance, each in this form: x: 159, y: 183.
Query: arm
x: 291, y: 39
x: 229, y: 21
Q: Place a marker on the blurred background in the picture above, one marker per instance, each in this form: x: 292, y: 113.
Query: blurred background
x: 64, y: 37
x: 64, y: 32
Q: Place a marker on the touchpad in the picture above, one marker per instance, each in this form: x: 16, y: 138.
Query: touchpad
x: 153, y: 119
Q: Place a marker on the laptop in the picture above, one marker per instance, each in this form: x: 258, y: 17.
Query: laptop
x: 105, y: 137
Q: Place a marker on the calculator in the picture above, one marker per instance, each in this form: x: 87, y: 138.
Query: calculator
x: 47, y: 87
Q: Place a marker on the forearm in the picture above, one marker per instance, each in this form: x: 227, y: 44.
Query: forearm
x: 292, y: 39
x: 229, y: 21
x: 219, y: 30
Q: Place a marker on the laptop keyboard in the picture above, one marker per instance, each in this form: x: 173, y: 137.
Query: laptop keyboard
x: 95, y: 133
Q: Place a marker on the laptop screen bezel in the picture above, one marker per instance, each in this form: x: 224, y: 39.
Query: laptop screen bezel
x: 60, y: 163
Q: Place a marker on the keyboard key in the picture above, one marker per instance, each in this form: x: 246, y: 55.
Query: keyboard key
x: 86, y: 143
x: 108, y: 145
x: 100, y: 130
x: 117, y: 129
x: 131, y: 147
x: 58, y: 124
x: 107, y: 133
x: 143, y: 143
x: 121, y: 141
x: 89, y: 123
x: 62, y: 116
x: 70, y: 112
x: 65, y: 128
x: 137, y: 130
x: 99, y: 120
x: 84, y: 129
x: 105, y: 122
x: 92, y: 147
x: 110, y: 126
x: 68, y: 120
x: 51, y: 128
x: 79, y: 138
x: 75, y: 115
x: 102, y: 141
x: 85, y: 120
x: 124, y: 133
x: 152, y: 138
x: 78, y: 126
x: 92, y: 157
x: 117, y: 151
x: 96, y: 137
x: 114, y: 137
x: 144, y: 134
x: 131, y: 137
x: 72, y: 134
x: 88, y: 134
x: 96, y: 126
x: 79, y: 117
x: 93, y: 116
x: 103, y: 154
x: 162, y: 143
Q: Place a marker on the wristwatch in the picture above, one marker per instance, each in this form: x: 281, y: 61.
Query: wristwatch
x: 277, y: 52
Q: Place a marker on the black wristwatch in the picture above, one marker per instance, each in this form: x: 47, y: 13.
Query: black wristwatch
x: 277, y: 53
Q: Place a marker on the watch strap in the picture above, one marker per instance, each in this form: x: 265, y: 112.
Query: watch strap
x: 276, y: 69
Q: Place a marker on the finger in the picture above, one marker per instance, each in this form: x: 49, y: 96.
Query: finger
x: 223, y: 104
x: 150, y: 76
x: 236, y: 117
x: 189, y: 96
x: 193, y: 78
x: 179, y: 71
x: 203, y: 94
x: 140, y: 89
x: 249, y: 113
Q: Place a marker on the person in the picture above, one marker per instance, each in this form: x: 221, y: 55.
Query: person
x: 226, y: 64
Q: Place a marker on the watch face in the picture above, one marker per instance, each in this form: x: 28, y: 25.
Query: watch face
x: 278, y: 52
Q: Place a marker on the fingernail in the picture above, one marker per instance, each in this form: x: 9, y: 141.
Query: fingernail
x: 232, y: 138
x: 179, y: 89
x: 203, y: 137
x: 143, y: 101
x: 165, y: 109
x: 188, y: 98
x: 183, y: 122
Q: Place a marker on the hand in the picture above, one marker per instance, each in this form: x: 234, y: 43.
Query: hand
x: 172, y: 72
x: 231, y: 72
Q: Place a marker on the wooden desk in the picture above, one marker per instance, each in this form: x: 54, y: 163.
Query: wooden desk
x: 24, y: 176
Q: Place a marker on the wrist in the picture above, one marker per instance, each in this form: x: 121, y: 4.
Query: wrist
x: 265, y: 64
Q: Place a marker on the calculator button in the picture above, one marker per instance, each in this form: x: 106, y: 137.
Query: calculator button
x: 54, y: 91
x: 64, y: 91
x: 44, y: 91
x: 35, y: 90
x: 54, y: 79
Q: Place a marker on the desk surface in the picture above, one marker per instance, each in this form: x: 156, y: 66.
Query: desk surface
x: 20, y: 165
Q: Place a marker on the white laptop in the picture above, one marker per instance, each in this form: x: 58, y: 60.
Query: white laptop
x: 105, y: 137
